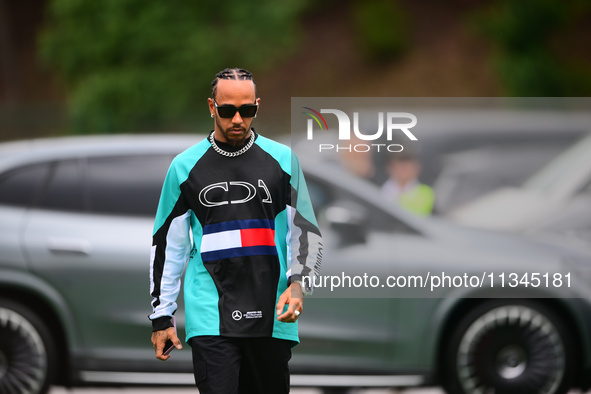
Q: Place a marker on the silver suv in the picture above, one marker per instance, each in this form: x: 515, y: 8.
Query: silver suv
x: 76, y: 217
x: 75, y: 232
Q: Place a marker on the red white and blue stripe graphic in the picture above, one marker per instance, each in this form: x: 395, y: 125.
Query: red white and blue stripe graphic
x: 238, y: 238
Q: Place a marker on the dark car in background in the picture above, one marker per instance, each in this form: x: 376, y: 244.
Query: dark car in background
x: 76, y: 217
x: 472, y: 173
x: 464, y: 152
x: 554, y: 199
x: 534, y: 132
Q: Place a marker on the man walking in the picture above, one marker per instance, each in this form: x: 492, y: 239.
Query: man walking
x: 236, y: 212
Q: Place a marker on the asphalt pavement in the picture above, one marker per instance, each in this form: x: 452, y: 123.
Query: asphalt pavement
x: 168, y: 390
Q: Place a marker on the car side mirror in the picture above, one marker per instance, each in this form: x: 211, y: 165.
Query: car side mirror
x: 349, y: 220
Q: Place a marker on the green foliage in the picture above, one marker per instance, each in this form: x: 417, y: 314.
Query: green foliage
x: 524, y: 24
x: 539, y: 74
x: 523, y: 31
x: 136, y: 65
x: 381, y: 28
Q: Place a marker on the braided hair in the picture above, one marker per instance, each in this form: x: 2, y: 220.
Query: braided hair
x: 232, y: 73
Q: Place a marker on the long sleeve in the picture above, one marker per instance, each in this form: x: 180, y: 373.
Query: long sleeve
x: 239, y: 229
x: 304, y: 238
x: 171, y: 248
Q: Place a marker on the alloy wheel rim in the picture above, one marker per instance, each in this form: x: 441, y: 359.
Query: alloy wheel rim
x: 23, y: 361
x: 520, y: 346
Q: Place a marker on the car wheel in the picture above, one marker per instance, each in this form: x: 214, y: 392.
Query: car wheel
x: 27, y: 364
x: 506, y: 346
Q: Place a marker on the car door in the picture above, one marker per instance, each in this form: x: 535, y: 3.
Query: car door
x: 344, y: 327
x: 90, y: 237
x: 363, y: 325
x: 18, y: 188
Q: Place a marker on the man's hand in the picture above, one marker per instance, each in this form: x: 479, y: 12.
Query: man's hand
x: 159, y: 339
x: 294, y: 297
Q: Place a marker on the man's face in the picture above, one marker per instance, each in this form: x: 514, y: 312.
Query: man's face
x: 404, y: 171
x: 233, y: 131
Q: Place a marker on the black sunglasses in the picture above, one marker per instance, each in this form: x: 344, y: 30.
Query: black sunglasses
x: 227, y: 111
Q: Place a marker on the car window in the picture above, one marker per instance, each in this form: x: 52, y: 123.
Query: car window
x: 65, y: 190
x: 586, y: 189
x: 128, y: 185
x: 21, y: 186
x: 556, y: 172
x: 319, y: 194
x: 323, y: 195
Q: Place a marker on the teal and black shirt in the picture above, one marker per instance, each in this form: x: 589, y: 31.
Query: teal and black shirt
x: 243, y: 228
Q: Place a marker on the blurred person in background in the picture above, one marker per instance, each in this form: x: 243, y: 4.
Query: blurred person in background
x: 235, y: 211
x: 403, y: 186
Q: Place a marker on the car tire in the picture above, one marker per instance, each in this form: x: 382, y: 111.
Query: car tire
x: 27, y: 353
x: 507, y: 346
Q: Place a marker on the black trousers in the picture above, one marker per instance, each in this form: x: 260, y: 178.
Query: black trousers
x: 225, y: 365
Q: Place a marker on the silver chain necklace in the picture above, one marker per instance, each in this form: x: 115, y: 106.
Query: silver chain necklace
x: 232, y: 154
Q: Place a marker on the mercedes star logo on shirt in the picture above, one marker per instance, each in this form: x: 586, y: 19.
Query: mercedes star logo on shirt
x: 236, y: 315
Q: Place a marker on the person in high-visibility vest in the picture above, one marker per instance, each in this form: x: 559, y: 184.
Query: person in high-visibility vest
x: 403, y: 186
